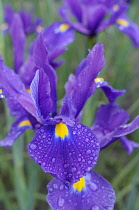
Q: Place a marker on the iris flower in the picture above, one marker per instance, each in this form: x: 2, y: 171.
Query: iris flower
x: 93, y: 16
x: 62, y: 146
x: 110, y: 125
x: 30, y: 24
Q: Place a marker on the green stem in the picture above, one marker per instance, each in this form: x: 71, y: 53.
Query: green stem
x: 19, y: 178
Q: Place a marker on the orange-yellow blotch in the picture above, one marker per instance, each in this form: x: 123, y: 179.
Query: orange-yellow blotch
x: 116, y: 7
x: 122, y: 22
x: 61, y: 130
x: 28, y: 90
x: 63, y: 27
x: 1, y: 91
x: 80, y: 185
x: 99, y: 79
x: 24, y: 123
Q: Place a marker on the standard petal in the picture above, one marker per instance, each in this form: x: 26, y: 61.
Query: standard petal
x: 19, y: 41
x: 85, y: 85
x: 17, y: 128
x: 40, y: 55
x: 94, y: 193
x: 65, y: 151
x: 40, y: 92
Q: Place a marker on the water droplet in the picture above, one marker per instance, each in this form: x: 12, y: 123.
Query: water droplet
x: 95, y: 208
x: 74, y: 132
x: 61, y: 202
x: 50, y: 190
x: 79, y: 84
x: 86, y: 139
x: 79, y: 159
x: 78, y: 126
x: 53, y: 160
x: 61, y: 187
x: 88, y: 151
x: 93, y: 186
x: 55, y: 186
x: 66, y: 165
x: 33, y: 146
x: 73, y: 169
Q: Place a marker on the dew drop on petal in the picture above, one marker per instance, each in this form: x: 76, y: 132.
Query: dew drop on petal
x: 53, y: 160
x: 93, y: 186
x: 61, y: 201
x: 55, y: 186
x: 33, y: 146
x: 95, y: 207
x: 88, y: 151
x: 73, y: 169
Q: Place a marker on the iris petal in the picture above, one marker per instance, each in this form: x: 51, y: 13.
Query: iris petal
x: 68, y: 156
x: 97, y: 195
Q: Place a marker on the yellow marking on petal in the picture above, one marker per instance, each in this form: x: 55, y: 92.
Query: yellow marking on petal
x: 1, y: 91
x: 61, y: 130
x: 39, y: 28
x: 64, y: 27
x: 122, y: 22
x: 116, y: 7
x: 4, y: 26
x: 80, y: 184
x: 24, y: 123
x: 28, y: 90
x: 99, y: 79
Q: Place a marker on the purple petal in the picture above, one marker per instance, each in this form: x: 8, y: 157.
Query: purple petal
x: 67, y: 157
x: 127, y: 128
x: 97, y: 194
x: 109, y: 119
x: 15, y: 88
x: 27, y: 71
x: 19, y: 41
x: 129, y: 28
x: 40, y: 91
x: 17, y: 128
x: 41, y: 60
x: 85, y: 85
x: 58, y: 35
x: 8, y: 14
x: 75, y: 8
x: 128, y: 145
x: 111, y: 93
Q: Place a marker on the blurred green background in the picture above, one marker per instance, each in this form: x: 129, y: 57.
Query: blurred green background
x: 22, y: 182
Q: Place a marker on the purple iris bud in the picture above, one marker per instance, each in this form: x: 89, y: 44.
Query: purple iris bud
x: 110, y: 125
x: 94, y: 16
x: 90, y: 192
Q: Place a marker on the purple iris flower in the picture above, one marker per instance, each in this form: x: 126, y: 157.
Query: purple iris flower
x: 30, y: 24
x: 90, y: 192
x: 93, y: 16
x: 62, y: 146
x: 110, y: 125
